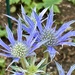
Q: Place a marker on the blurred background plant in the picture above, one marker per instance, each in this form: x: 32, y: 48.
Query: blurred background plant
x: 60, y: 16
x: 2, y: 66
x: 73, y: 1
x: 39, y: 4
x: 2, y: 32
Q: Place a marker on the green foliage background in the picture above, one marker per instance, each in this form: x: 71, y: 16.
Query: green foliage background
x: 73, y: 1
x: 39, y: 4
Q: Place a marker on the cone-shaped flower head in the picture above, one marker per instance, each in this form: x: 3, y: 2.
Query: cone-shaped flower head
x: 19, y: 50
x: 48, y: 34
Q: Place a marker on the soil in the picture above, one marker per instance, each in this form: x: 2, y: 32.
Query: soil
x: 67, y: 54
x: 2, y: 11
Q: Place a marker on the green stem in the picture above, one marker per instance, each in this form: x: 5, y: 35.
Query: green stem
x: 46, y: 55
x: 8, y: 13
x: 23, y: 63
x: 22, y: 60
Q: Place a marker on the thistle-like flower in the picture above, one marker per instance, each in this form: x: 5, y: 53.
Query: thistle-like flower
x: 48, y: 32
x: 54, y: 36
x: 19, y: 48
x: 61, y: 70
x: 32, y: 68
x: 27, y: 24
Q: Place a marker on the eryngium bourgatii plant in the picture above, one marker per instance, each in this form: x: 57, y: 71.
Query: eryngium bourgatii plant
x: 38, y: 35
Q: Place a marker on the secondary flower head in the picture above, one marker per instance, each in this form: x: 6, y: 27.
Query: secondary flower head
x: 32, y: 68
x: 19, y: 48
x: 27, y: 24
x: 49, y: 32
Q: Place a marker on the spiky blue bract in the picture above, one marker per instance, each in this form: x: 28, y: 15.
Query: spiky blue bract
x: 28, y: 24
x: 19, y: 48
x: 18, y: 73
x: 72, y: 68
x: 49, y: 32
x: 61, y: 70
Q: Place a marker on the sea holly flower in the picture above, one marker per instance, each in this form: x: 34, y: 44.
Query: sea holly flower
x: 28, y: 20
x: 32, y: 13
x: 32, y: 68
x: 61, y: 70
x: 19, y: 48
x: 54, y: 36
x: 27, y: 25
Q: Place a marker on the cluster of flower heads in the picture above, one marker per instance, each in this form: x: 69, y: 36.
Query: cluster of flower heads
x: 38, y: 35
